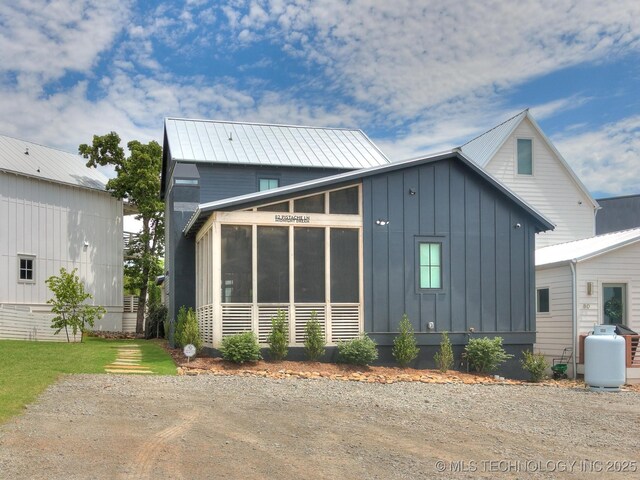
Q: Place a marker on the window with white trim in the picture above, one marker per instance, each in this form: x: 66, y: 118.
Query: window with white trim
x: 542, y: 300
x: 268, y: 184
x: 26, y: 268
x: 430, y: 276
x: 525, y: 156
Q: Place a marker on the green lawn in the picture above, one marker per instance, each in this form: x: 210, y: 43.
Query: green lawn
x: 27, y: 368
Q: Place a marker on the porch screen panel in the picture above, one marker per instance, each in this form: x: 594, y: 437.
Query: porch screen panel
x: 345, y: 263
x: 236, y: 264
x: 309, y: 265
x: 273, y: 264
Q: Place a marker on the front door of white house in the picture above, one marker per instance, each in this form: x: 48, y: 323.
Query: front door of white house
x: 614, y: 303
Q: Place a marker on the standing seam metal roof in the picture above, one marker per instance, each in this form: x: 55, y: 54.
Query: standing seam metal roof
x: 48, y: 163
x: 268, y: 144
x: 586, y: 248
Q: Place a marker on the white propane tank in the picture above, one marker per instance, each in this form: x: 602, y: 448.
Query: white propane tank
x: 604, y: 362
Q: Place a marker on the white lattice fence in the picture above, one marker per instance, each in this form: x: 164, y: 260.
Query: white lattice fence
x: 303, y: 315
x: 205, y: 323
x: 345, y: 322
x: 235, y: 319
x: 265, y: 313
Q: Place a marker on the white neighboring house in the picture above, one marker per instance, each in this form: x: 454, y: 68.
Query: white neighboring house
x: 55, y: 212
x: 520, y: 155
x: 587, y: 282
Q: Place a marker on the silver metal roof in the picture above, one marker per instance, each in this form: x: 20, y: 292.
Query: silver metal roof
x: 27, y: 158
x: 586, y: 248
x: 235, y: 143
x: 482, y: 148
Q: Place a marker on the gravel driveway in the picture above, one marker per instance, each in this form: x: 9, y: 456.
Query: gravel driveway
x: 216, y: 427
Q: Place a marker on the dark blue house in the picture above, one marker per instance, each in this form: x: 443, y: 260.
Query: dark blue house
x: 436, y: 238
x: 205, y: 161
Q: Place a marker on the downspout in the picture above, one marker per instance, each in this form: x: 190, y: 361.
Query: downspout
x: 574, y: 315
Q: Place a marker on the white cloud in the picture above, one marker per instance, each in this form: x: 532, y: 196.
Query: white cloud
x: 48, y: 39
x: 403, y: 57
x: 606, y: 159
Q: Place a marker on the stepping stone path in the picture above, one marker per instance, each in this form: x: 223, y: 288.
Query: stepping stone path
x: 127, y: 361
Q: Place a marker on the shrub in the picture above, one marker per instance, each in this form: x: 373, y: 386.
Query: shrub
x: 444, y: 358
x: 404, y: 349
x: 240, y: 348
x: 314, y: 341
x: 278, y: 339
x: 68, y: 304
x: 534, y: 363
x: 179, y: 328
x: 359, y: 351
x: 485, y: 354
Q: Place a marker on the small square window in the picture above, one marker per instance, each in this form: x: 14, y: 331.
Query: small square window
x: 525, y: 156
x: 26, y: 269
x: 268, y: 183
x: 430, y: 265
x: 542, y: 300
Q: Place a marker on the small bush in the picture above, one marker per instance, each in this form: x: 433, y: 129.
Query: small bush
x: 359, y: 351
x: 534, y: 363
x: 485, y: 354
x: 179, y: 328
x: 404, y: 349
x: 314, y: 341
x: 191, y: 331
x: 278, y: 339
x: 444, y: 358
x: 240, y: 348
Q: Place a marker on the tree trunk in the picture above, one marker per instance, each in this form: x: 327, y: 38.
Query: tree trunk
x: 142, y: 302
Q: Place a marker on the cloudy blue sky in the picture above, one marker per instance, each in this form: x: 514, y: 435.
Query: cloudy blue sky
x: 416, y: 76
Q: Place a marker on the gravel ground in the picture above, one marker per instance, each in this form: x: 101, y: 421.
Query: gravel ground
x: 235, y: 427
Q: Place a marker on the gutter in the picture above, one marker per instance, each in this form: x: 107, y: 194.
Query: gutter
x: 574, y: 315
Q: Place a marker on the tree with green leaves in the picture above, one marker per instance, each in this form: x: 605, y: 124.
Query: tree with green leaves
x: 68, y: 304
x: 137, y: 182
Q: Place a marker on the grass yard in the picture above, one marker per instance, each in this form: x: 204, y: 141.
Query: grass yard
x: 27, y: 368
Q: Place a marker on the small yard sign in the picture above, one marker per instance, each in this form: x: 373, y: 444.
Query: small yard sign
x: 189, y: 351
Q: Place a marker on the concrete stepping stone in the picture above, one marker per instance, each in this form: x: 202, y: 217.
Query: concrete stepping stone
x: 127, y: 360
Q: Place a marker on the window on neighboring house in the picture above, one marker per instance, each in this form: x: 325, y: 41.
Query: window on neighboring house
x: 525, y: 156
x: 26, y: 268
x: 430, y: 265
x: 268, y: 183
x: 542, y: 300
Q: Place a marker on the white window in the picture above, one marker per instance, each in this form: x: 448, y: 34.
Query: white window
x: 268, y: 183
x: 525, y: 156
x: 26, y: 268
x: 430, y: 265
x: 542, y: 300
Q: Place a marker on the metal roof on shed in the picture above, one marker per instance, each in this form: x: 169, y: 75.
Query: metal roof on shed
x: 47, y: 163
x: 586, y: 248
x: 235, y: 143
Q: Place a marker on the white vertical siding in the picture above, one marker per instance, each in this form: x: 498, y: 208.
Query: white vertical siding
x: 550, y: 189
x: 52, y: 221
x: 554, y: 328
x: 618, y: 266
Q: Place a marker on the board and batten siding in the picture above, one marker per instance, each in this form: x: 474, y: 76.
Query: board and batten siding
x: 551, y: 190
x: 554, y: 329
x: 52, y: 221
x: 617, y: 266
x: 488, y: 264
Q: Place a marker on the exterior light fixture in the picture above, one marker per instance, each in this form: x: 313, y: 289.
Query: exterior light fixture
x: 382, y: 222
x: 517, y: 225
x: 589, y: 288
x: 412, y: 191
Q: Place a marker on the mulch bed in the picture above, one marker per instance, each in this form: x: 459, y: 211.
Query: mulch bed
x: 367, y: 374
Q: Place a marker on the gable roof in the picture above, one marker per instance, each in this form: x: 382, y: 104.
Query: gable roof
x: 238, y: 143
x: 244, y: 201
x: 46, y: 163
x: 485, y: 146
x: 580, y: 250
